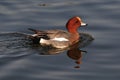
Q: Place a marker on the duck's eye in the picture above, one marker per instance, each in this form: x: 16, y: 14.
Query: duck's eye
x: 77, y: 21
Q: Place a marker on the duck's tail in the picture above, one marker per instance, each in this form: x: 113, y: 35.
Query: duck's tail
x: 34, y: 30
x: 38, y: 35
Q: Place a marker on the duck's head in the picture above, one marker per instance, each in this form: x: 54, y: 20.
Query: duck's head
x: 74, y: 23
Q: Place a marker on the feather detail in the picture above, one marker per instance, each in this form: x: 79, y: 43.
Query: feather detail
x: 60, y: 39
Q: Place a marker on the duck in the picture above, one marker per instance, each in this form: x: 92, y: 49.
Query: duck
x: 59, y: 38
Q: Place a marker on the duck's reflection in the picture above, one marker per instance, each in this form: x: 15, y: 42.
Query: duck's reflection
x: 76, y: 54
x: 73, y: 52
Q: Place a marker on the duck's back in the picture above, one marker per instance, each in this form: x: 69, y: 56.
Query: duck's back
x: 57, y: 34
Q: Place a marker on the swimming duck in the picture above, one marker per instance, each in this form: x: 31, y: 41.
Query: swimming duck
x: 59, y: 38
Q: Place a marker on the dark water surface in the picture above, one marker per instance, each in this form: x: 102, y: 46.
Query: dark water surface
x: 21, y: 61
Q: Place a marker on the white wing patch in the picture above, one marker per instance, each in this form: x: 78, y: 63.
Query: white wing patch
x: 55, y: 42
x: 51, y: 40
x: 60, y: 39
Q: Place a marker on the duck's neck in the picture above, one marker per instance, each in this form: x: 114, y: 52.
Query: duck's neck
x: 75, y: 37
x: 73, y: 31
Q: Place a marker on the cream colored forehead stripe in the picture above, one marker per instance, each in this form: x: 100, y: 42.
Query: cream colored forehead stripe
x: 78, y: 18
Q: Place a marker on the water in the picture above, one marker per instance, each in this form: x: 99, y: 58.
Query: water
x: 23, y: 62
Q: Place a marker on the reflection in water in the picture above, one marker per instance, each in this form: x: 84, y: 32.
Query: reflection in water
x: 19, y: 45
x: 76, y: 54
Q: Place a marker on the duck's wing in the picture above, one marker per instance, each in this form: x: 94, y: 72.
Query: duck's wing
x: 50, y: 34
x: 39, y: 34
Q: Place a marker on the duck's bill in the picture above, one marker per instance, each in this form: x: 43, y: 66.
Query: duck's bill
x: 84, y: 24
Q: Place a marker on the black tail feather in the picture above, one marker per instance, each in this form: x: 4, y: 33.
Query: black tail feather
x: 41, y: 34
x: 34, y: 30
x: 36, y: 40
